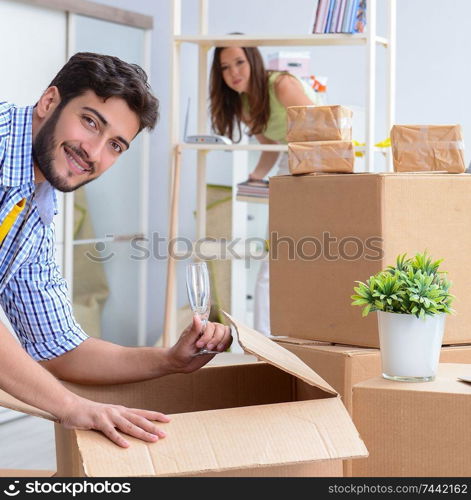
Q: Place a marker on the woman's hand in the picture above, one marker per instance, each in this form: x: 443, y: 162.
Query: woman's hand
x: 254, y: 178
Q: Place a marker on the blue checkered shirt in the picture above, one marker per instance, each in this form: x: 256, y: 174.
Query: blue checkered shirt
x: 33, y: 293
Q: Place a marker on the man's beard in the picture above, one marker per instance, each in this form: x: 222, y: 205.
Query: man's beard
x: 44, y: 146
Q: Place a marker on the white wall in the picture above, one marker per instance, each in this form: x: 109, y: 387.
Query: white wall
x: 159, y: 146
x: 433, y: 56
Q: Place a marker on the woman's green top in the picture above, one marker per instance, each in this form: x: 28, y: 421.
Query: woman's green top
x: 277, y: 124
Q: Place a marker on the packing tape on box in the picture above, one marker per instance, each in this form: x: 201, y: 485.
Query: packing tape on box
x: 414, y: 146
x: 414, y: 134
x: 309, y: 121
x: 320, y: 154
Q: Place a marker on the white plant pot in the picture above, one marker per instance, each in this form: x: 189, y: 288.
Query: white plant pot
x: 410, y: 346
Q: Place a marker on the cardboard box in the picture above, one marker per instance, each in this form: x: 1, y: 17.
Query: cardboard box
x: 26, y: 473
x: 329, y: 231
x: 319, y: 123
x: 320, y: 156
x: 340, y: 366
x: 415, y: 429
x: 272, y: 418
x: 344, y: 366
x: 427, y: 148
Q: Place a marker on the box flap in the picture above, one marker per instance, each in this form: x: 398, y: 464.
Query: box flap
x: 234, y: 438
x: 346, y: 350
x: 12, y: 403
x: 261, y: 346
x: 447, y: 381
x: 284, y: 339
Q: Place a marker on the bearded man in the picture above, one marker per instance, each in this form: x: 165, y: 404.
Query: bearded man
x: 83, y: 122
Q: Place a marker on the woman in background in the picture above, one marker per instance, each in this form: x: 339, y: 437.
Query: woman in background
x: 242, y: 91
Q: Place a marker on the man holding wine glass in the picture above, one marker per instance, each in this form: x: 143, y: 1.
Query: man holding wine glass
x: 83, y: 122
x: 199, y: 296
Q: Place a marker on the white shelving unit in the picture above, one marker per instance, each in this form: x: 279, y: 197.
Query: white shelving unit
x: 369, y: 41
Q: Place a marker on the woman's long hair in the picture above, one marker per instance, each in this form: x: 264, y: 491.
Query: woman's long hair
x: 226, y: 104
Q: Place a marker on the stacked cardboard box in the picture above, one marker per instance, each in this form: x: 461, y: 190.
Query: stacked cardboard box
x: 436, y: 148
x: 319, y: 139
x: 328, y: 231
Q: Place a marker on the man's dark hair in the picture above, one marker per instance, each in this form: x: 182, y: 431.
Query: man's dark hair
x: 108, y: 76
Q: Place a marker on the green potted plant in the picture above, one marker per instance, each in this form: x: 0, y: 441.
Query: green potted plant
x: 412, y: 300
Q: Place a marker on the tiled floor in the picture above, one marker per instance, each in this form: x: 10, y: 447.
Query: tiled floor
x: 28, y: 442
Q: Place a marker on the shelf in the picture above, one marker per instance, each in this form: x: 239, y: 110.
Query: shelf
x: 235, y: 147
x: 107, y: 239
x: 253, y: 199
x: 289, y: 40
x: 255, y: 147
x: 368, y: 43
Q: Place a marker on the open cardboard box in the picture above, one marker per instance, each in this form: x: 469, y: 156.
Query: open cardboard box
x: 272, y: 418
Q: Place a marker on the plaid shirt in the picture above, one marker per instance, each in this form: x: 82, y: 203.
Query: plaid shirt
x: 33, y: 293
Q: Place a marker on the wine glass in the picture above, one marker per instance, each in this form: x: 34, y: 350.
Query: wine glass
x: 199, y: 294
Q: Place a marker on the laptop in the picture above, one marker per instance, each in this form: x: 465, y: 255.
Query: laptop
x: 203, y: 138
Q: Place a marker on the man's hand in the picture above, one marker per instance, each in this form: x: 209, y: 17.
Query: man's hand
x: 216, y: 337
x: 28, y: 381
x: 108, y: 419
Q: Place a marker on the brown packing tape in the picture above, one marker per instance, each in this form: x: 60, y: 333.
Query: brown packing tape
x: 457, y: 145
x: 319, y: 123
x: 320, y: 156
x: 426, y: 133
x: 427, y: 148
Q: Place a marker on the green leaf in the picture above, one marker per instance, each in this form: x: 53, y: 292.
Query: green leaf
x: 359, y: 302
x: 366, y: 310
x: 413, y: 286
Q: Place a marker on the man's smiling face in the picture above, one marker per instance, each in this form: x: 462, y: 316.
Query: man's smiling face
x: 78, y: 142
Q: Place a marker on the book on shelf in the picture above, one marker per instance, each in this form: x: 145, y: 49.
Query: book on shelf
x: 256, y: 189
x: 315, y: 9
x: 329, y: 16
x: 346, y: 14
x: 321, y: 14
x: 338, y: 28
x: 358, y: 22
x: 340, y: 16
x: 335, y: 16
